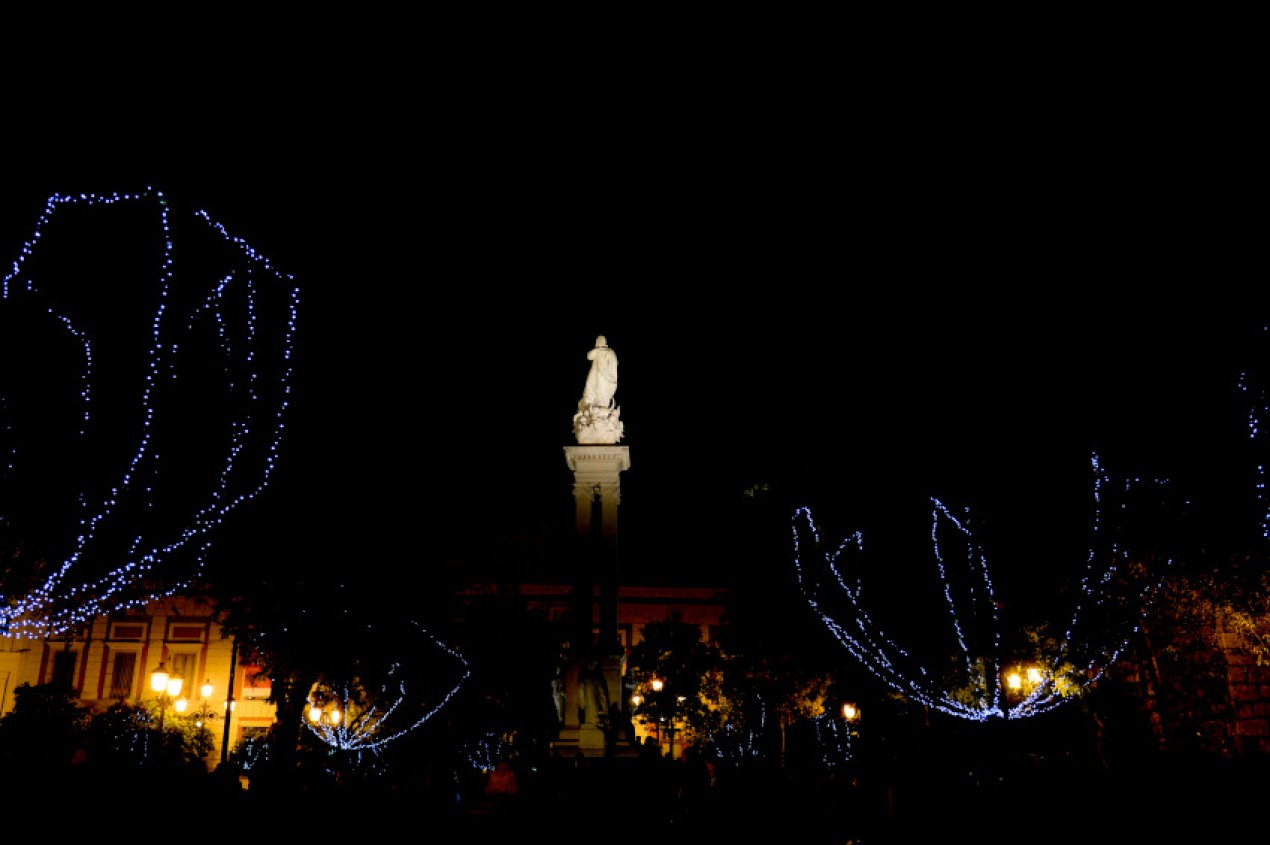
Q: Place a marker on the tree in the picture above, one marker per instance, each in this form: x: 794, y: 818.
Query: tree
x: 1115, y: 588
x: 1206, y: 634
x: 329, y: 646
x: 154, y: 412
x: 514, y: 651
x: 782, y: 669
x: 120, y: 737
x: 777, y: 673
x: 127, y: 736
x: 676, y: 675
x: 45, y: 729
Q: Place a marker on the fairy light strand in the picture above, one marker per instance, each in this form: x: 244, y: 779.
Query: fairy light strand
x: 363, y: 724
x: 1258, y: 408
x: 972, y: 615
x: 235, y: 309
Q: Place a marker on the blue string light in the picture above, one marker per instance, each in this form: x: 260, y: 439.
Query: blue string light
x: 1258, y: 409
x: 363, y: 723
x: 1082, y: 655
x: 251, y: 311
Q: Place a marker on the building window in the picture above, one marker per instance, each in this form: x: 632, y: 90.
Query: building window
x: 64, y: 668
x: 124, y: 671
x: 185, y: 666
x: 127, y: 631
x: 187, y: 632
x: 256, y: 684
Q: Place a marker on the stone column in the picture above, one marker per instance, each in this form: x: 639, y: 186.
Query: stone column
x: 597, y: 494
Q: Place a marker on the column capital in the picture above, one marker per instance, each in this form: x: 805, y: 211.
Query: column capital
x: 598, y: 459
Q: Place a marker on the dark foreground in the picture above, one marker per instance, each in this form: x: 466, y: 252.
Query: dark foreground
x: 613, y: 802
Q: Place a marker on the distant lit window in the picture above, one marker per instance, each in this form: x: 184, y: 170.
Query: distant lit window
x: 124, y: 670
x: 127, y: 631
x: 185, y: 666
x: 187, y: 633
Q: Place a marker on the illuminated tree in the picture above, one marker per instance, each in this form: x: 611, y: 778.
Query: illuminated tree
x: 775, y: 676
x: 675, y: 674
x: 147, y: 378
x: 377, y: 702
x: 1115, y: 588
x: 338, y: 648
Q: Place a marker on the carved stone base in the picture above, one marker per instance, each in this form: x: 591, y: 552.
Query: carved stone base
x: 598, y: 425
x: 586, y: 731
x: 591, y: 740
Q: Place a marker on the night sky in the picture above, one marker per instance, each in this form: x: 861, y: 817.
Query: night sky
x: 854, y: 329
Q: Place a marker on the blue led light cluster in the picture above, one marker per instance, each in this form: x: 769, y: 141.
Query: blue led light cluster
x: 366, y: 722
x: 127, y: 533
x: 1258, y: 409
x: 1083, y: 654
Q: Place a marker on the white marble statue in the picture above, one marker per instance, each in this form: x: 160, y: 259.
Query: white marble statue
x: 598, y: 419
x: 601, y: 381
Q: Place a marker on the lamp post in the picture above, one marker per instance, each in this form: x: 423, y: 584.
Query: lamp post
x: 674, y: 712
x: 229, y: 699
x: 168, y: 686
x: 204, y: 713
x: 851, y: 721
x: 1021, y: 680
x: 204, y: 741
x: 658, y: 685
x: 330, y: 715
x: 657, y: 706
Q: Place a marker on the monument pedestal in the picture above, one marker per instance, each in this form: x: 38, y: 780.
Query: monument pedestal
x: 594, y: 719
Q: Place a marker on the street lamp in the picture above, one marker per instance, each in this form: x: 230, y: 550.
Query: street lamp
x: 850, y: 718
x: 205, y: 713
x: 1021, y: 681
x: 1023, y: 678
x: 674, y: 711
x: 317, y: 714
x: 167, y: 685
x: 204, y: 740
x: 324, y: 708
x: 657, y: 685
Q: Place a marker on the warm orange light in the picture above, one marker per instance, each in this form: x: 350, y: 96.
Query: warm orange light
x: 159, y: 677
x: 206, y: 689
x: 849, y: 712
x: 1024, y: 678
x: 657, y: 684
x: 180, y: 704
